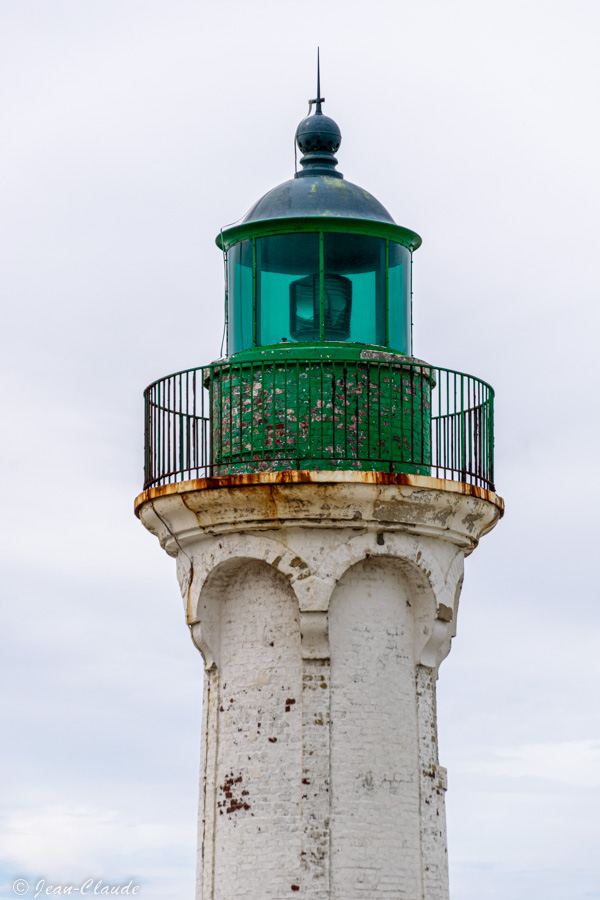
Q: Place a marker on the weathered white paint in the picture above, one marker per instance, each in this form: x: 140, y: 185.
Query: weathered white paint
x: 322, y: 611
x: 375, y: 808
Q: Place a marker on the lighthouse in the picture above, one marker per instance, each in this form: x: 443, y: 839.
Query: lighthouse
x: 319, y: 488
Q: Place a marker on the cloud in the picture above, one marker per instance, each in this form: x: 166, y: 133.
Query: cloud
x: 68, y: 844
x: 570, y: 763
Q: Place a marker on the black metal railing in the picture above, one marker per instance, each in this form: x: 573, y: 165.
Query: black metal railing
x: 372, y: 415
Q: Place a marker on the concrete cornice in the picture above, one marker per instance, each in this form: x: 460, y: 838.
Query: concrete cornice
x: 376, y: 501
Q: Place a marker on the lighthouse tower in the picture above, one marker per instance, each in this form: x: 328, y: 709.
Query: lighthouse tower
x: 319, y: 488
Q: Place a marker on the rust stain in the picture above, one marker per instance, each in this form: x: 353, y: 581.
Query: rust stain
x: 271, y: 480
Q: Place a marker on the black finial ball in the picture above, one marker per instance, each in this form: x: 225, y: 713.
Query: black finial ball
x: 318, y: 133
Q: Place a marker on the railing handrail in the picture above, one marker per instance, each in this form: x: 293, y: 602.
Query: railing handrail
x: 232, y: 361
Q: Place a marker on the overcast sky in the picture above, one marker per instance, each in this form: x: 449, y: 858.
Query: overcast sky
x: 132, y: 130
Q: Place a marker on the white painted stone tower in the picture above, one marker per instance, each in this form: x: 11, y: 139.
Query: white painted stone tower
x: 320, y: 488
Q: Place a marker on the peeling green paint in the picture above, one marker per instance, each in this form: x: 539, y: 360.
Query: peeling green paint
x: 321, y: 414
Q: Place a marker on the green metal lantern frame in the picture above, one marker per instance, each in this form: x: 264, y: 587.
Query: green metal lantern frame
x: 319, y: 225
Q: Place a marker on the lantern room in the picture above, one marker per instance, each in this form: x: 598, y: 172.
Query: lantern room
x: 318, y: 260
x: 319, y: 372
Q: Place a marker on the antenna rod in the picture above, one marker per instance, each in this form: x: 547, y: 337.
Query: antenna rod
x: 318, y: 100
x: 319, y: 79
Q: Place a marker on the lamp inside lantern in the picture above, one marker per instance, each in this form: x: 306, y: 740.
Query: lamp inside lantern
x: 304, y: 307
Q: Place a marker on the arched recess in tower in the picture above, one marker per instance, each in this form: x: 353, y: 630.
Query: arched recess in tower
x: 375, y: 797
x: 252, y: 704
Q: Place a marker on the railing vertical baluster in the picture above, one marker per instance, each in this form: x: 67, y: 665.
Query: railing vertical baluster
x: 333, y: 411
x: 230, y: 373
x: 298, y: 410
x: 310, y: 406
x: 463, y: 442
x: 366, y: 393
x: 345, y: 402
x: 156, y: 427
x: 261, y: 397
x: 412, y: 415
x: 477, y: 390
x: 357, y: 389
x: 216, y: 386
x: 172, y: 426
x: 147, y: 444
x: 435, y: 402
x: 453, y: 431
x: 251, y: 377
x: 274, y: 377
x: 181, y: 425
x: 192, y: 427
x: 200, y: 455
x: 491, y: 444
x: 446, y: 423
x: 379, y: 417
x: 284, y: 431
x: 241, y: 387
x: 205, y: 437
x: 421, y: 416
x: 165, y: 429
x: 391, y: 416
x: 188, y: 423
x: 402, y: 373
x: 322, y: 409
x: 159, y: 435
x: 167, y: 436
x: 442, y: 451
x: 469, y: 433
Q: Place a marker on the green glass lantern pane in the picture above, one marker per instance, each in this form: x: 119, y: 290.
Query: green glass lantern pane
x: 239, y: 310
x: 354, y: 288
x: 287, y: 301
x: 399, y: 297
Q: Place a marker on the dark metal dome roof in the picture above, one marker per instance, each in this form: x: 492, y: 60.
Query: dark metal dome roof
x: 318, y: 195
